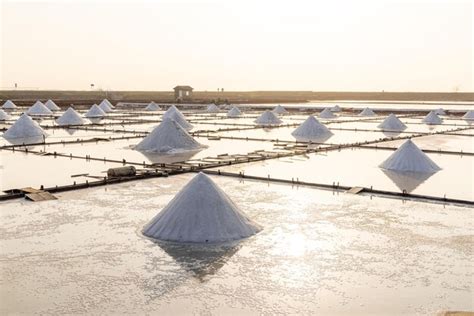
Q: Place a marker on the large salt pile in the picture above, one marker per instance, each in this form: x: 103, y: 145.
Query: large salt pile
x: 432, y: 119
x: 201, y: 213
x: 279, y: 109
x: 268, y: 118
x: 24, y: 127
x: 212, y: 108
x: 326, y: 113
x: 336, y: 108
x: 52, y: 106
x: 168, y: 137
x: 367, y: 112
x: 392, y: 123
x: 104, y: 106
x: 4, y: 116
x: 152, y: 106
x: 174, y: 114
x: 70, y: 117
x: 8, y: 105
x: 39, y: 109
x: 310, y: 129
x: 234, y: 112
x: 408, y: 157
x: 469, y: 115
x: 95, y: 111
x: 440, y: 111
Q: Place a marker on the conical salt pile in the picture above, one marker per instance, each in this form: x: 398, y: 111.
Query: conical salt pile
x: 152, y: 106
x: 409, y: 157
x: 326, y: 113
x: 9, y: 105
x: 440, y: 111
x: 4, y: 116
x: 392, y: 123
x: 168, y: 137
x: 201, y: 213
x: 268, y: 118
x: 336, y: 108
x: 310, y: 129
x: 174, y: 114
x: 104, y: 106
x: 24, y: 127
x: 52, y: 106
x: 432, y: 119
x: 234, y: 112
x: 39, y: 109
x: 279, y: 109
x: 95, y: 111
x: 212, y: 108
x: 110, y: 105
x: 367, y: 112
x: 70, y: 117
x: 469, y: 115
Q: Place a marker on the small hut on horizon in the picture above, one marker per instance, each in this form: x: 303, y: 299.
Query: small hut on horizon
x: 183, y: 92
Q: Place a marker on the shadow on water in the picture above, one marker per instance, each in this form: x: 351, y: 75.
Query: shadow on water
x: 406, y: 180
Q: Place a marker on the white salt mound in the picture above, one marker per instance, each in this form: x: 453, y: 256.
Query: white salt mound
x: 104, y: 106
x: 326, y: 113
x: 440, y: 111
x: 409, y: 157
x: 268, y: 118
x: 212, y: 108
x: 234, y: 112
x: 392, y: 123
x: 469, y: 115
x: 174, y: 114
x: 168, y: 137
x: 367, y: 112
x: 432, y: 119
x: 310, y: 128
x: 279, y: 109
x: 152, y: 106
x: 70, y: 117
x: 105, y: 101
x: 201, y: 213
x: 52, y: 106
x: 9, y: 105
x: 336, y: 108
x: 95, y: 111
x: 24, y: 127
x: 39, y: 109
x: 4, y: 116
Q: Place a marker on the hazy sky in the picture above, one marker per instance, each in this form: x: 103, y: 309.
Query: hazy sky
x: 331, y: 45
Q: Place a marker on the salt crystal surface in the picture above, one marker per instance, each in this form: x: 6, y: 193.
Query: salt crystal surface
x: 70, y: 117
x: 367, y: 112
x: 39, y: 109
x: 4, y: 116
x: 104, y: 106
x: 24, y: 127
x: 469, y: 115
x: 95, y: 111
x: 174, y: 114
x: 432, y: 119
x: 212, y: 108
x: 152, y: 106
x: 336, y: 108
x: 234, y: 112
x: 392, y: 123
x: 52, y: 106
x: 279, y: 109
x: 9, y: 105
x: 268, y: 118
x: 326, y: 113
x: 311, y: 128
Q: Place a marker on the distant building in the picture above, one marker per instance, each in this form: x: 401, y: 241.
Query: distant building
x: 183, y: 92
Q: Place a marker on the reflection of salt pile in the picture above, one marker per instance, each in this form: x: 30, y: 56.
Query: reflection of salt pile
x: 407, y: 180
x: 279, y: 109
x: 440, y: 111
x: 9, y: 105
x: 39, y: 109
x: 52, y: 106
x: 469, y: 115
x: 104, y: 106
x: 152, y: 106
x: 24, y: 127
x: 392, y: 123
x: 326, y: 113
x: 70, y: 117
x: 409, y: 157
x: 432, y: 119
x: 168, y: 137
x: 212, y: 108
x: 95, y: 111
x: 234, y: 112
x: 174, y: 114
x: 201, y: 213
x: 268, y: 118
x: 336, y: 108
x: 367, y: 112
x: 4, y: 116
x: 310, y: 129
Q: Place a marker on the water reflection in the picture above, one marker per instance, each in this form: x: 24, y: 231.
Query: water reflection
x: 315, y: 139
x: 391, y: 133
x: 405, y: 180
x: 169, y: 158
x: 26, y: 140
x: 95, y: 120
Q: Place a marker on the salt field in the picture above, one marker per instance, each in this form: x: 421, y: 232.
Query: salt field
x: 325, y: 215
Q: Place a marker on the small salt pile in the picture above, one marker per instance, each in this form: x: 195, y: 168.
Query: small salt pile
x: 440, y: 111
x: 152, y: 106
x: 201, y: 213
x: 367, y: 112
x: 168, y: 137
x: 327, y: 114
x: 70, y: 117
x: 105, y: 101
x: 268, y: 118
x: 279, y: 109
x: 95, y: 112
x: 8, y: 105
x: 212, y: 108
x: 39, y: 109
x: 24, y: 127
x: 310, y: 129
x: 174, y: 114
x: 336, y: 108
x: 432, y: 119
x: 4, y: 116
x: 234, y: 112
x: 104, y: 106
x: 469, y: 115
x: 408, y: 157
x: 392, y: 123
x: 52, y: 106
